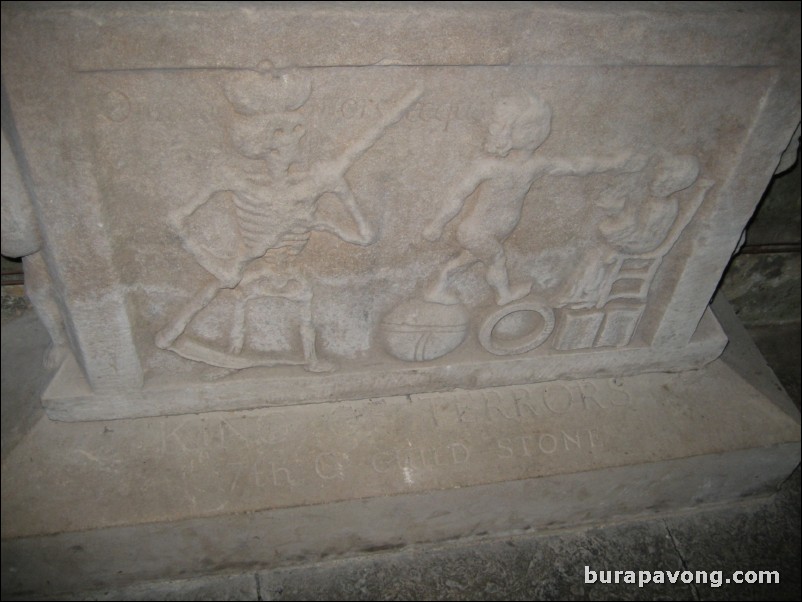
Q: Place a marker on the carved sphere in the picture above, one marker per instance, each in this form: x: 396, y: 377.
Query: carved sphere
x: 418, y: 331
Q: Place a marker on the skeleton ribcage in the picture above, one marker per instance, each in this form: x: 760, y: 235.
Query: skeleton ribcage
x: 264, y: 227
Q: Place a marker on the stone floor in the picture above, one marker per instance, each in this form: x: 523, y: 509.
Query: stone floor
x: 754, y: 535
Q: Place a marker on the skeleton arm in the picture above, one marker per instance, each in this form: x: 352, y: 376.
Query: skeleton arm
x: 364, y: 235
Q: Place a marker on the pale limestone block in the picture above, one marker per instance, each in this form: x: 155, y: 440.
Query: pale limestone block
x: 252, y: 205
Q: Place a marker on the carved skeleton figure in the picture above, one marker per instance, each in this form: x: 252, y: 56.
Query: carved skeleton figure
x: 274, y: 210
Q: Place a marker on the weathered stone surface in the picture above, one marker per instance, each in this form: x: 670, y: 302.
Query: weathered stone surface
x: 777, y: 222
x: 23, y: 343
x: 247, y: 205
x: 94, y: 504
x: 765, y: 287
x: 213, y: 589
x: 515, y: 569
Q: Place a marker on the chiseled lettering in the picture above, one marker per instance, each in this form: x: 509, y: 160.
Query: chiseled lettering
x: 445, y: 113
x: 495, y: 404
x: 505, y: 447
x: 413, y: 114
x: 466, y: 411
x: 558, y: 398
x: 574, y: 441
x: 459, y: 453
x: 416, y: 458
x: 271, y: 474
x: 618, y: 394
x: 527, y: 407
x: 547, y: 443
x: 523, y: 404
x: 226, y: 427
x: 405, y: 458
x: 349, y: 108
x: 438, y: 458
x: 188, y: 436
x: 428, y: 111
x: 590, y: 396
x: 423, y: 459
x: 384, y: 461
x: 281, y: 475
x: 328, y: 467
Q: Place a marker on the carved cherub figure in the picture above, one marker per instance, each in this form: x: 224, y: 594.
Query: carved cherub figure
x: 500, y: 181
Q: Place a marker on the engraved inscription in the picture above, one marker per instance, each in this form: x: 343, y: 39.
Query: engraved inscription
x: 525, y: 403
x: 438, y: 115
x: 257, y: 456
x: 281, y: 475
x: 421, y: 458
x: 115, y: 106
x: 547, y: 443
x: 329, y: 465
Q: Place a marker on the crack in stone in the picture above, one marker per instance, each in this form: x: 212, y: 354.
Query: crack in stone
x: 258, y: 587
x: 674, y: 543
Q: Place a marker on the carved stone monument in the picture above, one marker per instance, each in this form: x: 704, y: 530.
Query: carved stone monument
x: 234, y: 225
x: 238, y: 206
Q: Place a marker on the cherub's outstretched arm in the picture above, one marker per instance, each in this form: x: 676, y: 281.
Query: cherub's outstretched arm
x: 621, y: 163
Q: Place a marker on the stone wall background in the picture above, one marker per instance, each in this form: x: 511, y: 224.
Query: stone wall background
x: 763, y: 279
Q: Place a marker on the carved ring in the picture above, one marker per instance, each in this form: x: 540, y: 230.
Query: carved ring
x: 523, y: 343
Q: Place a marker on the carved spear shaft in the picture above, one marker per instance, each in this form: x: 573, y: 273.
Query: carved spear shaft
x: 168, y: 335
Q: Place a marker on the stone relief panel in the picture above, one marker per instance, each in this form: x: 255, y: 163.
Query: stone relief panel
x: 336, y: 219
x: 218, y: 215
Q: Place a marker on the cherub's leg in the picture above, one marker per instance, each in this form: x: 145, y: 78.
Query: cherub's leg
x: 498, y: 279
x: 438, y: 292
x: 491, y: 252
x: 39, y: 288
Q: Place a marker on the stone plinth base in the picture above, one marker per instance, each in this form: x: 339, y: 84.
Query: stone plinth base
x: 100, y: 503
